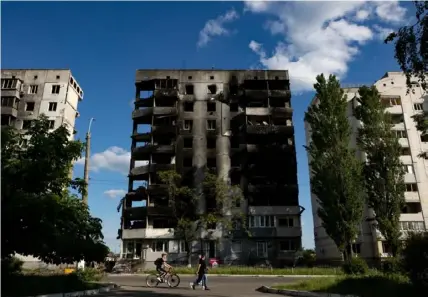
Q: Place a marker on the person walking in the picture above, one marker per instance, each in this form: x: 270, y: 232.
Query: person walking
x: 200, y: 272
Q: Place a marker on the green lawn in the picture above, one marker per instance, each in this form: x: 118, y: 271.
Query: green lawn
x: 30, y: 285
x: 363, y: 286
x: 236, y: 270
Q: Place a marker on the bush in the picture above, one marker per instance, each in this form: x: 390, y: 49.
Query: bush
x: 392, y: 266
x: 11, y: 265
x: 415, y: 254
x: 89, y: 274
x: 355, y: 266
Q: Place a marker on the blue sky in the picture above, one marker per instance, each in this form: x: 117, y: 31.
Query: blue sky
x: 103, y: 43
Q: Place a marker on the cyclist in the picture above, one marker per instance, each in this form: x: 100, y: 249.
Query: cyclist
x: 161, y: 265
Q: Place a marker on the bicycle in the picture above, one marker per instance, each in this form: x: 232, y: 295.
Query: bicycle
x: 171, y: 278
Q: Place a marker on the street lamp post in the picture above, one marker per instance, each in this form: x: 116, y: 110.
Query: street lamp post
x: 86, y: 169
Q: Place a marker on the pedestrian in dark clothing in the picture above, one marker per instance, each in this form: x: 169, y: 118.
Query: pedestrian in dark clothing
x: 202, y: 268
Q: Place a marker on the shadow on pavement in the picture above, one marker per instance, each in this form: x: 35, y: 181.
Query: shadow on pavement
x: 158, y: 292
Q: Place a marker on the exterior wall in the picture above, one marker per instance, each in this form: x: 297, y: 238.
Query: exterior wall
x: 369, y: 239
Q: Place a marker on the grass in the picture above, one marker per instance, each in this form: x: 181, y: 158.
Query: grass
x: 374, y: 285
x: 238, y: 270
x: 31, y: 285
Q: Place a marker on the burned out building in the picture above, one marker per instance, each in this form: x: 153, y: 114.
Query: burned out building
x: 236, y: 122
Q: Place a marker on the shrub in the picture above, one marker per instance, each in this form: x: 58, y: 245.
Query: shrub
x: 89, y: 274
x: 392, y: 266
x: 355, y: 266
x: 415, y: 255
x: 11, y: 265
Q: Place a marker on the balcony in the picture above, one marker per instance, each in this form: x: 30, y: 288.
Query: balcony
x: 135, y: 213
x: 269, y: 129
x: 272, y: 188
x: 137, y: 195
x: 165, y: 93
x: 143, y: 152
x: 7, y: 110
x: 144, y: 102
x: 160, y: 233
x: 266, y: 111
x: 11, y: 87
x: 142, y: 137
x: 164, y: 129
x: 411, y: 197
x: 160, y: 211
x: 263, y: 232
x: 256, y: 148
x: 267, y: 93
x: 157, y: 189
x: 288, y: 231
x: 274, y: 210
x: 143, y: 115
x: 404, y: 142
x: 141, y: 172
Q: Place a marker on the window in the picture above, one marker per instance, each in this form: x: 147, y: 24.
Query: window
x: 401, y: 133
x: 211, y: 143
x: 392, y: 101
x: 261, y: 249
x: 411, y: 187
x: 189, y: 90
x: 256, y: 78
x: 408, y: 169
x: 55, y: 89
x: 52, y: 106
x: 187, y: 162
x: 397, y: 118
x: 9, y: 102
x: 188, y: 106
x: 236, y: 246
x: 386, y: 248
x: 211, y: 163
x: 26, y: 124
x: 285, y: 222
x: 262, y: 221
x: 212, y: 89
x: 287, y: 245
x: 276, y: 78
x: 51, y: 124
x: 168, y: 77
x: 187, y: 142
x: 211, y: 77
x: 418, y: 106
x: 211, y: 106
x: 57, y: 77
x: 35, y: 76
x: 211, y: 125
x: 424, y: 138
x: 356, y: 248
x: 71, y: 80
x: 9, y: 83
x: 233, y: 107
x: 189, y: 77
x: 182, y: 246
x: 160, y: 246
x: 188, y: 125
x: 33, y: 89
x: 412, y: 226
x: 29, y: 106
x: 405, y: 151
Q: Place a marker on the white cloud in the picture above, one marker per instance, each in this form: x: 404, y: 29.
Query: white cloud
x: 381, y: 32
x: 318, y: 37
x: 112, y: 159
x: 215, y: 27
x: 115, y: 193
x: 390, y: 11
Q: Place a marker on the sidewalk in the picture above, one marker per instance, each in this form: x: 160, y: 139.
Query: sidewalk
x: 234, y: 275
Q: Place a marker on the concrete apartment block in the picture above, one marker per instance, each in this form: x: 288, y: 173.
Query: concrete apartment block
x: 414, y: 217
x: 222, y: 120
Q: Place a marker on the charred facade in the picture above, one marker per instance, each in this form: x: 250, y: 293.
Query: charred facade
x: 237, y: 122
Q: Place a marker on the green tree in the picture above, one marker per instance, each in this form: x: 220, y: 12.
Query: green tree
x: 336, y: 174
x: 39, y: 215
x: 411, y: 53
x: 184, y: 203
x: 383, y: 170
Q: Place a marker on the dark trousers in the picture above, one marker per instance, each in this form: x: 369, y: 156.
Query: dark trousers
x: 199, y: 279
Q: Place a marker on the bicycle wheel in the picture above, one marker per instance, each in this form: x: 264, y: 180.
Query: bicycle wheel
x: 152, y: 280
x: 173, y: 280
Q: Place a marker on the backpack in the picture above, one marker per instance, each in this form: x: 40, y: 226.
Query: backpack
x: 158, y: 262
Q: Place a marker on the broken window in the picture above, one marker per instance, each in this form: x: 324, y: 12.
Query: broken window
x: 163, y: 121
x: 55, y: 89
x: 405, y: 151
x: 9, y: 83
x: 211, y: 77
x: 211, y: 163
x: 397, y: 118
x: 187, y: 142
x: 233, y: 107
x: 211, y: 125
x: 53, y: 106
x: 165, y: 102
x: 33, y: 89
x: 285, y: 222
x: 212, y: 89
x: 187, y: 162
x: 277, y: 102
x: 412, y: 207
x: 161, y: 159
x: 188, y: 106
x: 189, y: 77
x: 9, y: 102
x: 189, y: 89
x: 162, y: 224
x: 401, y: 133
x: 29, y: 106
x: 162, y: 140
x: 258, y: 120
x: 211, y: 106
x: 51, y: 124
x: 211, y: 143
x: 234, y: 143
x: 26, y: 124
x: 411, y: 187
x: 188, y: 124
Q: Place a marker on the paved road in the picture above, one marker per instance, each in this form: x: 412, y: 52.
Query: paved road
x: 134, y: 286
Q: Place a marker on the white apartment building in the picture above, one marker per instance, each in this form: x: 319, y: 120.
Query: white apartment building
x: 27, y: 93
x: 402, y: 106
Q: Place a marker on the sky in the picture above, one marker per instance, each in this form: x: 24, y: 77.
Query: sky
x: 104, y: 43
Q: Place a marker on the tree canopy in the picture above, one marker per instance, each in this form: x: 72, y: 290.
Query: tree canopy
x: 40, y: 216
x: 336, y: 173
x: 383, y: 170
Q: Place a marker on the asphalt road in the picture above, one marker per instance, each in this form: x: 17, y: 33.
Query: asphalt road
x: 135, y: 286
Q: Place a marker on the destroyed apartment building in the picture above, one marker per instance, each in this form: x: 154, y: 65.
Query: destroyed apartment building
x: 236, y: 122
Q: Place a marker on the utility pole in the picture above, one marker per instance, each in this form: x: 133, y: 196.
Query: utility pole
x: 86, y: 170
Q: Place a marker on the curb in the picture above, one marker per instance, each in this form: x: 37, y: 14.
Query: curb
x: 107, y: 288
x: 264, y: 289
x: 232, y: 275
